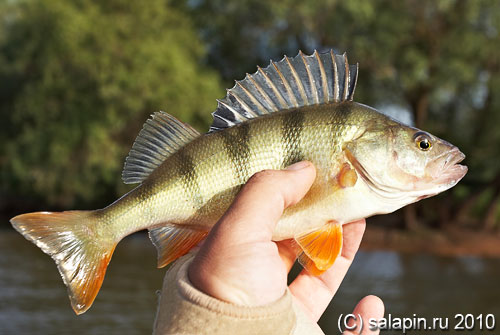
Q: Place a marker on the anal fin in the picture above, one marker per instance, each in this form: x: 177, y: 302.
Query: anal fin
x: 320, y: 248
x: 172, y: 241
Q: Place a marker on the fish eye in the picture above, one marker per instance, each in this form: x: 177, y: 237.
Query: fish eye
x: 423, y: 141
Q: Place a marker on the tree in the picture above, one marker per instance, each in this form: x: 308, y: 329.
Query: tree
x: 77, y: 81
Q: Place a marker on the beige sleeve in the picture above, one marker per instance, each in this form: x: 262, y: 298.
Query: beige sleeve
x: 183, y: 309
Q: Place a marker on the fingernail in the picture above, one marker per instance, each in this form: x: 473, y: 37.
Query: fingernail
x: 298, y: 166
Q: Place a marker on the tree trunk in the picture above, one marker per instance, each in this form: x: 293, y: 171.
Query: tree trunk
x: 412, y: 222
x: 464, y: 208
x: 468, y: 203
x: 421, y: 108
x: 490, y: 217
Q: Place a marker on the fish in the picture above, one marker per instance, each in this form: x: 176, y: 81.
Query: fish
x: 299, y: 108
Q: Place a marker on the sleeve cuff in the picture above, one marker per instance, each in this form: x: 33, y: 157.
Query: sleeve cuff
x: 183, y: 309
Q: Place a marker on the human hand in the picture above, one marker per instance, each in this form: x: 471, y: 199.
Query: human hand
x: 239, y: 262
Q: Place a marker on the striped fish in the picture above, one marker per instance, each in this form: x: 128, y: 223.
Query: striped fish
x: 296, y: 109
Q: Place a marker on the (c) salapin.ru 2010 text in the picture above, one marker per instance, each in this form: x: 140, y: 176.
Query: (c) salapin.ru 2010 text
x: 354, y: 322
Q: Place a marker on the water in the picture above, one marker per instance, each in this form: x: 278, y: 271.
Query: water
x: 33, y: 299
x: 419, y: 285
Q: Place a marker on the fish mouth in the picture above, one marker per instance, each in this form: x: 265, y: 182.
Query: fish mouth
x: 447, y: 173
x: 452, y: 172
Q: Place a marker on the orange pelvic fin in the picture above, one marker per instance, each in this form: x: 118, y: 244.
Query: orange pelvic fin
x: 81, y: 254
x: 172, y: 241
x: 320, y: 248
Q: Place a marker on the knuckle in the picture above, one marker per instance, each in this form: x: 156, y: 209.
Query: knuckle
x: 262, y: 176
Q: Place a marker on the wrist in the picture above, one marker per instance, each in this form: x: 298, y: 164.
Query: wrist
x: 201, y: 276
x: 184, y: 309
x: 240, y: 286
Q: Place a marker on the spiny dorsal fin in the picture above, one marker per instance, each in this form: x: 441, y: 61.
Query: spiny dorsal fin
x: 161, y: 136
x: 289, y: 83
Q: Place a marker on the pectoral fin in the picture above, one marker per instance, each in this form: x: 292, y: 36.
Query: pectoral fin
x: 320, y: 248
x: 347, y: 176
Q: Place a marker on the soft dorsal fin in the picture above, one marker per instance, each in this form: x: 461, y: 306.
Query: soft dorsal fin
x: 161, y: 136
x: 289, y: 83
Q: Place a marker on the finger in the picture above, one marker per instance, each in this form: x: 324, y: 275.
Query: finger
x: 260, y: 203
x: 288, y: 253
x: 315, y: 292
x: 370, y: 307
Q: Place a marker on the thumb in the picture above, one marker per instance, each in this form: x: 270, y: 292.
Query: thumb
x: 370, y: 307
x: 261, y: 202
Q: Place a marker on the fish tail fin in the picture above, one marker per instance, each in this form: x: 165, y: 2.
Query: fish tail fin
x: 81, y: 253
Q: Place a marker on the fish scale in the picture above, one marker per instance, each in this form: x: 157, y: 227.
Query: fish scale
x: 297, y: 109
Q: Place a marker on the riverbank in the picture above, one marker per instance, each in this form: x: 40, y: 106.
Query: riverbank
x: 453, y: 241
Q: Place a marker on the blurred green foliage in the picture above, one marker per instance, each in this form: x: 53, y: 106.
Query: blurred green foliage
x: 78, y: 79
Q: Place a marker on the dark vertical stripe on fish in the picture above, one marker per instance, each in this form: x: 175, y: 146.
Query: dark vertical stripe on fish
x: 236, y: 144
x: 293, y: 124
x: 189, y: 176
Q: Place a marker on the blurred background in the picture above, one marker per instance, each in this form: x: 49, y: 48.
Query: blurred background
x: 79, y: 78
